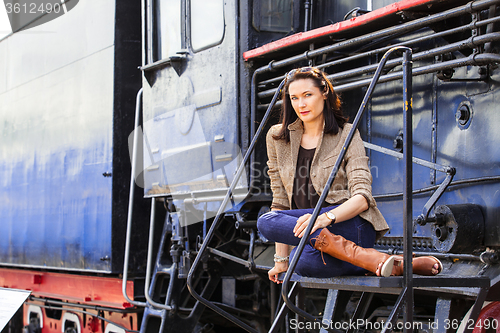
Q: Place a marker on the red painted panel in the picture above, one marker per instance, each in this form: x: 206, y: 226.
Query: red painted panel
x: 104, y: 291
x: 334, y: 28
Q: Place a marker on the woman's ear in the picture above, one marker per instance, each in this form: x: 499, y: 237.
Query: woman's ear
x: 325, y: 91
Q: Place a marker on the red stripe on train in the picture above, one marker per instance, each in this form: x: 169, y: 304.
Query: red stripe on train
x: 94, y: 290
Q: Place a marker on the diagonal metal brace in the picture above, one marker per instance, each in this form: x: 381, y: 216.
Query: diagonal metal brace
x: 424, y: 218
x: 396, y: 310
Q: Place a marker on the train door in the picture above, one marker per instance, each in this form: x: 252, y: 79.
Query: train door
x: 190, y: 116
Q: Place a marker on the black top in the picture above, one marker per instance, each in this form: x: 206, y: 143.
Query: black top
x: 304, y: 194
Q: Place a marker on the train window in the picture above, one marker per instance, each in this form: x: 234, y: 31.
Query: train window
x: 207, y: 23
x: 168, y: 18
x: 273, y: 15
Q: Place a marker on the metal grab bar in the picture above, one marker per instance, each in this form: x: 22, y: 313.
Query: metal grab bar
x: 408, y: 164
x: 416, y: 160
x: 131, y: 202
x: 129, y: 223
x: 218, y: 217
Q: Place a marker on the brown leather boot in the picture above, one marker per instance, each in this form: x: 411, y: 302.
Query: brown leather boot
x: 370, y: 259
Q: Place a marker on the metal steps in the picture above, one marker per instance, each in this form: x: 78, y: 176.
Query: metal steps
x: 443, y: 285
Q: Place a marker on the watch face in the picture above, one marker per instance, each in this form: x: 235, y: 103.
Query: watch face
x: 330, y: 215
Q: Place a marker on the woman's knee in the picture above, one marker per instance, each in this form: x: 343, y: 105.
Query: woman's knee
x: 366, y: 234
x: 265, y: 223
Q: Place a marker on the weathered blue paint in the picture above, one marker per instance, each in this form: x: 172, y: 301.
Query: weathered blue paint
x: 65, y: 112
x: 57, y: 212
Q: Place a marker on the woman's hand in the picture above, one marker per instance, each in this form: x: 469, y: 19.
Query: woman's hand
x: 349, y: 209
x: 321, y: 222
x: 279, y: 267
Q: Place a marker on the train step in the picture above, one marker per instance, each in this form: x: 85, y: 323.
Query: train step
x: 469, y: 286
x: 445, y: 286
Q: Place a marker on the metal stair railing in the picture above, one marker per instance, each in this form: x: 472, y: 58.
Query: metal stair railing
x: 204, y: 247
x: 150, y: 302
x: 406, y: 295
x: 172, y: 270
x: 387, y: 285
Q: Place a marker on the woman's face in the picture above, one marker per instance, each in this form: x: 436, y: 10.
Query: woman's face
x: 307, y: 100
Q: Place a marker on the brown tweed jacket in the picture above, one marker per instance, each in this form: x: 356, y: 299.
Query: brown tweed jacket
x: 353, y: 177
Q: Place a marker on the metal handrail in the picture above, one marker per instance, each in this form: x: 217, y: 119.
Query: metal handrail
x: 416, y: 160
x: 218, y: 218
x: 315, y: 214
x: 131, y: 201
x: 129, y: 223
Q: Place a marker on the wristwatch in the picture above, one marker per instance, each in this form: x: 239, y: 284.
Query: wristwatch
x: 331, y: 217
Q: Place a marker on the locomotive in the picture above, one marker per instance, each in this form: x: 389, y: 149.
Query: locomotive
x: 138, y: 212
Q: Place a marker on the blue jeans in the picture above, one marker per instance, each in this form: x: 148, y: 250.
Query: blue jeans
x: 277, y: 226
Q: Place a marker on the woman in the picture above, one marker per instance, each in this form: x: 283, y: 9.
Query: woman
x: 302, y: 151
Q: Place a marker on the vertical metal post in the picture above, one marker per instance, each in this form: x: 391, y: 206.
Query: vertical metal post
x: 408, y: 188
x: 149, y: 32
x: 144, y: 52
x: 307, y: 6
x: 434, y: 127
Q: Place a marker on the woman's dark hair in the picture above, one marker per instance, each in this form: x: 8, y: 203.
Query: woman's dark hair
x: 332, y: 111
